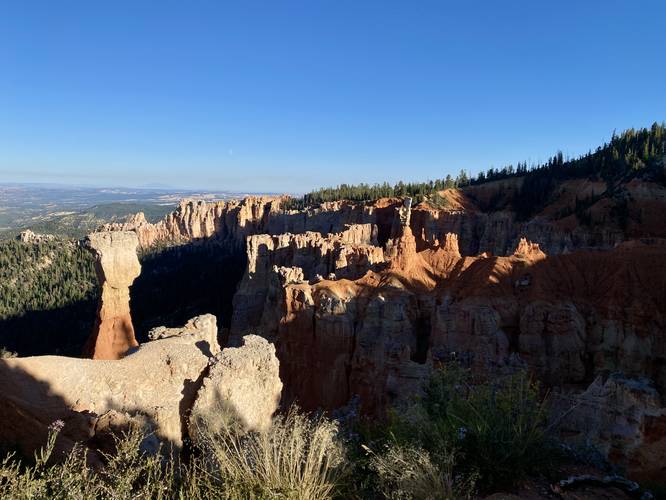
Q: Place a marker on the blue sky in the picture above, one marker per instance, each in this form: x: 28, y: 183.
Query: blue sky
x: 287, y: 96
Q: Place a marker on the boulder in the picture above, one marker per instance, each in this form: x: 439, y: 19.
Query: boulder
x: 624, y: 419
x: 242, y: 385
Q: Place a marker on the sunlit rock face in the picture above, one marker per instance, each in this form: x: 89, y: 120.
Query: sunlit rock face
x: 242, y: 384
x: 157, y: 386
x: 348, y: 254
x: 117, y: 267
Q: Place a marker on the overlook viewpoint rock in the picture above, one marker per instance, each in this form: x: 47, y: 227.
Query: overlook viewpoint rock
x: 157, y: 387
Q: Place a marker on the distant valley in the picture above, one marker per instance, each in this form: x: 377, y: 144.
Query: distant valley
x: 74, y: 211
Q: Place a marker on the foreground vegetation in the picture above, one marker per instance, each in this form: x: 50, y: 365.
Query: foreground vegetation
x: 459, y: 439
x: 463, y: 436
x: 299, y: 457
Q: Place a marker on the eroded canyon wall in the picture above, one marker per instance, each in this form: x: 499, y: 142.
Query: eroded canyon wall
x: 233, y: 221
x: 570, y: 320
x: 363, y: 303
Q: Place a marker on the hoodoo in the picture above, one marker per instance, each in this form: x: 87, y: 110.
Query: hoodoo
x: 117, y: 267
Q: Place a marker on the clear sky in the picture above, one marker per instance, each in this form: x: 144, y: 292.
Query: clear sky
x: 288, y: 96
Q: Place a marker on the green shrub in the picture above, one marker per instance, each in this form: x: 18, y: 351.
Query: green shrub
x: 498, y: 427
x: 489, y: 434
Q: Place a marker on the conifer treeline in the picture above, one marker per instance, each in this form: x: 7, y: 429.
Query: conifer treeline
x: 634, y: 152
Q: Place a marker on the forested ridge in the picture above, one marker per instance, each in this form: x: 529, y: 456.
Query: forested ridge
x: 42, y: 276
x: 634, y: 152
x: 48, y: 296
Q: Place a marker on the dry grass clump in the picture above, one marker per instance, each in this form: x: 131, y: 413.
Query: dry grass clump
x: 406, y: 472
x: 5, y: 354
x: 129, y: 473
x: 298, y: 457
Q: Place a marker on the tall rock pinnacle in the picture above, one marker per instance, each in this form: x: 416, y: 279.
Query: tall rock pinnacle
x: 117, y: 267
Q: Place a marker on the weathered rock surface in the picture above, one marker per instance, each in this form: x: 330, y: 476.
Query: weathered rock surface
x: 29, y: 237
x: 117, y: 266
x: 348, y: 254
x: 528, y: 250
x: 156, y: 386
x: 371, y: 312
x: 566, y: 318
x: 478, y: 229
x: 233, y: 221
x: 624, y: 419
x: 242, y: 384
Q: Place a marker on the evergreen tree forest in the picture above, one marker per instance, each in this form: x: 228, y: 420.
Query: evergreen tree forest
x: 43, y: 276
x: 632, y: 153
x: 48, y: 296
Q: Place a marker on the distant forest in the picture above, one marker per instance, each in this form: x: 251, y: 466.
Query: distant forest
x: 633, y: 152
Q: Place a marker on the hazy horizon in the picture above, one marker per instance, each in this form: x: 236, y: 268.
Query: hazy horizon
x: 140, y: 187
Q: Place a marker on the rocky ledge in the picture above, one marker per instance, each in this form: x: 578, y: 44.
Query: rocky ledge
x: 158, y: 386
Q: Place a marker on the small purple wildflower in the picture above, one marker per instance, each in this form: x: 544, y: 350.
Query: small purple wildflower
x: 57, y: 425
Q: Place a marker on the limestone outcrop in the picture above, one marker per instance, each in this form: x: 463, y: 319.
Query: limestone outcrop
x: 30, y: 237
x: 198, y: 219
x: 528, y: 250
x: 450, y: 245
x: 242, y: 385
x: 117, y: 266
x: 623, y: 418
x: 468, y: 213
x: 233, y: 221
x: 345, y: 255
x: 156, y: 386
